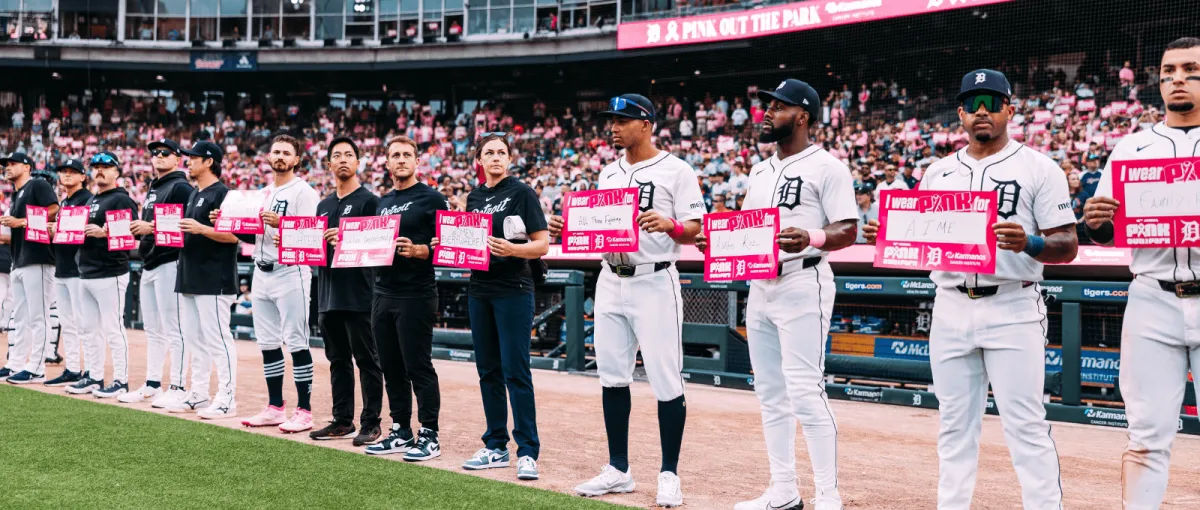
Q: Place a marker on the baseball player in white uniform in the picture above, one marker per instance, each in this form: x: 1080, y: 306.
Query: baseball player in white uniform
x: 638, y: 300
x: 787, y: 318
x: 280, y: 294
x: 993, y: 327
x: 1159, y: 334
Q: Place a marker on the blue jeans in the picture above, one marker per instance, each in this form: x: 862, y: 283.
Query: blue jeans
x: 500, y: 329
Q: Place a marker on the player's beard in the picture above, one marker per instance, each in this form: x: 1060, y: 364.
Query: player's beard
x: 1181, y: 106
x: 776, y: 133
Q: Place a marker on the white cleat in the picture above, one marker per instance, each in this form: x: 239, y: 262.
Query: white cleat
x: 610, y: 480
x: 831, y: 501
x: 669, y: 492
x: 777, y: 497
x: 139, y: 395
x: 165, y: 399
x: 222, y: 406
x: 189, y: 404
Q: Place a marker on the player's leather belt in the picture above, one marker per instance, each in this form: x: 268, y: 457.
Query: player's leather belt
x: 638, y: 270
x: 1180, y: 289
x: 789, y: 266
x: 991, y: 290
x: 266, y: 268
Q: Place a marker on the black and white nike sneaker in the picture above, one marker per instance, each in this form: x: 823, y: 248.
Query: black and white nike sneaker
x: 116, y: 389
x: 85, y: 385
x: 427, y: 447
x: 398, y: 441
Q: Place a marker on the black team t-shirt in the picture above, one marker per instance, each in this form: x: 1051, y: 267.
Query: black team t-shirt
x: 345, y: 289
x: 94, y: 259
x: 516, y: 213
x: 64, y: 254
x: 417, y: 206
x: 39, y: 193
x: 172, y: 188
x: 206, y: 267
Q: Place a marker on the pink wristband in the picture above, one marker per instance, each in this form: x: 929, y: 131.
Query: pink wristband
x: 677, y: 231
x: 816, y: 237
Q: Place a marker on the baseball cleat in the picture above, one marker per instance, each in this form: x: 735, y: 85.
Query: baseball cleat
x: 26, y: 377
x: 222, y: 406
x: 300, y: 421
x: 669, y: 492
x: 777, y: 497
x: 67, y: 377
x: 527, y: 468
x: 189, y: 404
x: 171, y: 396
x: 117, y: 388
x: 426, y: 447
x: 399, y: 441
x: 610, y: 480
x: 831, y: 501
x: 487, y: 459
x: 5, y: 374
x: 85, y: 385
x: 269, y: 417
x: 139, y: 395
x: 331, y: 431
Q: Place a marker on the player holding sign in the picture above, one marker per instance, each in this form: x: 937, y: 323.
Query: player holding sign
x: 1158, y: 339
x: 73, y: 179
x: 993, y: 327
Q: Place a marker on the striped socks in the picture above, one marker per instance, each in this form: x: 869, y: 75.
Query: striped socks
x: 273, y: 370
x: 302, y: 372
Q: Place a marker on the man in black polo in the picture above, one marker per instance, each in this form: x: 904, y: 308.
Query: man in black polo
x: 73, y: 180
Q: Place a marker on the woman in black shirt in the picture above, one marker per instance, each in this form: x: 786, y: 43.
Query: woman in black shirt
x: 501, y: 308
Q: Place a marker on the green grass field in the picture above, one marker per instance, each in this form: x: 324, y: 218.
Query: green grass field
x: 58, y: 452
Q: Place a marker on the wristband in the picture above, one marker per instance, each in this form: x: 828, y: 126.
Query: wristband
x: 1034, y: 246
x: 1102, y: 235
x: 816, y: 237
x: 677, y: 231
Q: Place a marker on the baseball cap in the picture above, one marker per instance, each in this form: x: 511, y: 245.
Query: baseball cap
x: 73, y: 164
x: 205, y: 149
x: 17, y: 157
x: 986, y: 81
x: 169, y: 144
x: 632, y: 106
x: 105, y: 158
x: 796, y: 93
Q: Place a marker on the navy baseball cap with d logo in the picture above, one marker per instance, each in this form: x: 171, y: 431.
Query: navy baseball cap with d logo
x: 632, y: 106
x: 984, y: 81
x: 796, y: 93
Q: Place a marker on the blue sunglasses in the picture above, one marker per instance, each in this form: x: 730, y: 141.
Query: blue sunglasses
x: 617, y: 104
x: 102, y: 159
x: 494, y: 133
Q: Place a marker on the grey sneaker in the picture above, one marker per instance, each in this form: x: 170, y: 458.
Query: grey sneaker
x: 527, y: 468
x: 610, y: 480
x: 487, y: 459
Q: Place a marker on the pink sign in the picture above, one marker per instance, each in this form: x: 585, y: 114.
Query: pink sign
x: 940, y: 138
x: 166, y: 225
x: 1086, y: 105
x: 780, y: 19
x: 462, y: 240
x: 937, y: 231
x: 600, y: 221
x: 302, y: 240
x: 1042, y: 116
x: 741, y: 245
x: 36, y: 223
x: 119, y: 236
x: 1062, y: 109
x: 69, y: 227
x: 240, y: 212
x: 1119, y: 107
x: 368, y: 241
x: 1158, y: 203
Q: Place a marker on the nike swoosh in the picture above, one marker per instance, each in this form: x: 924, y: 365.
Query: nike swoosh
x: 489, y: 199
x: 948, y: 173
x: 785, y: 505
x: 323, y: 214
x: 1139, y: 149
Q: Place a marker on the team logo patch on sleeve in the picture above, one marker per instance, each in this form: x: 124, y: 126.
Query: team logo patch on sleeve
x: 1010, y: 196
x: 789, y: 192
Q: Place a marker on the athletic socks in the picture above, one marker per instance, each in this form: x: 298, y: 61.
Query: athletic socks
x: 302, y: 372
x: 617, y: 403
x: 154, y: 384
x: 671, y: 417
x: 273, y: 370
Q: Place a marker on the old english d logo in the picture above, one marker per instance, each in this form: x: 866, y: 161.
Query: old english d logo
x: 789, y: 192
x: 1010, y: 196
x: 280, y: 207
x: 645, y: 196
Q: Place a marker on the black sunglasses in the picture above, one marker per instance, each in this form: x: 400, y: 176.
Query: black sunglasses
x: 991, y: 103
x: 162, y: 152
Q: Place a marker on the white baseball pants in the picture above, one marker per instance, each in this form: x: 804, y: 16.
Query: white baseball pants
x: 1159, y: 338
x: 66, y: 291
x: 1001, y: 338
x: 645, y: 310
x: 205, y: 323
x: 32, y: 287
x: 280, y: 301
x: 102, y: 311
x: 787, y: 322
x: 160, y: 315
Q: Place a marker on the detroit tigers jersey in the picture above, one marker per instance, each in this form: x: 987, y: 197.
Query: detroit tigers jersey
x: 1032, y: 192
x: 811, y: 189
x: 294, y: 198
x: 1159, y: 142
x: 665, y: 184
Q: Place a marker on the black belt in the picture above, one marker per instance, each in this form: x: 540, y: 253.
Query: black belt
x: 627, y: 271
x: 982, y: 292
x: 808, y: 263
x: 266, y: 268
x: 1180, y: 289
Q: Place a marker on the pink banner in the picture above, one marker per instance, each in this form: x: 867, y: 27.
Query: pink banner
x: 781, y: 19
x: 462, y: 240
x: 302, y: 240
x: 1119, y: 107
x: 36, y: 223
x: 1062, y: 109
x: 1042, y: 116
x: 1158, y: 205
x: 741, y: 245
x: 68, y: 229
x: 1067, y: 100
x: 119, y: 236
x: 1086, y: 105
x: 240, y: 212
x: 368, y: 241
x: 937, y: 231
x: 600, y: 221
x: 166, y: 225
x: 940, y: 138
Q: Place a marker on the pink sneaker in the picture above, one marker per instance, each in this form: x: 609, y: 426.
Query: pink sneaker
x: 268, y: 417
x: 301, y: 421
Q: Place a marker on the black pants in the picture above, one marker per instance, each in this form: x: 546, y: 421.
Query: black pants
x: 348, y: 334
x: 404, y: 332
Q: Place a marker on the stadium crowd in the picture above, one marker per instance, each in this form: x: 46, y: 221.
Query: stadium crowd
x: 872, y: 130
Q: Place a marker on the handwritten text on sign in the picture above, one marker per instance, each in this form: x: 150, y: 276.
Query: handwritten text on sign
x: 239, y: 212
x: 937, y: 231
x: 71, y: 222
x: 600, y: 221
x: 741, y: 245
x: 36, y: 223
x: 302, y: 240
x: 1160, y: 203
x: 462, y: 240
x: 119, y: 236
x: 367, y: 241
x: 166, y: 225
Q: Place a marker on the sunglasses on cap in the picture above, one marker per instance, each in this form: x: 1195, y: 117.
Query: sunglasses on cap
x: 162, y: 153
x: 617, y: 104
x: 991, y: 103
x: 103, y: 159
x: 494, y: 133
